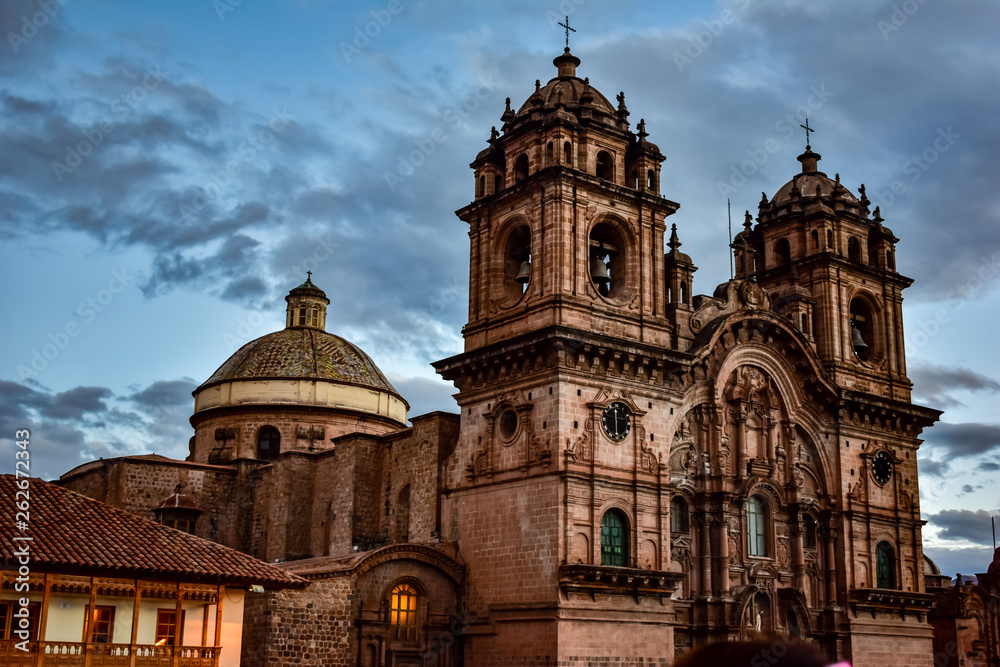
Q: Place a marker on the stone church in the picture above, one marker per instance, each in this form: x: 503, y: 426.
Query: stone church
x: 635, y: 470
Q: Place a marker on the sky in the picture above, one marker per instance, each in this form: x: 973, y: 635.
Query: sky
x: 170, y: 170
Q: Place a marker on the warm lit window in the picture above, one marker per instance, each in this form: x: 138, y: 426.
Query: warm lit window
x: 166, y: 627
x: 314, y: 316
x: 885, y: 567
x: 102, y: 625
x: 757, y: 526
x: 302, y: 316
x: 614, y: 538
x: 403, y: 606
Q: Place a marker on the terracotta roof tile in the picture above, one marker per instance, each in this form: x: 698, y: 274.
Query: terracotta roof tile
x: 77, y: 533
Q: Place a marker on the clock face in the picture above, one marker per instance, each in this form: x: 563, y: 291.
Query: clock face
x: 882, y: 467
x: 617, y: 421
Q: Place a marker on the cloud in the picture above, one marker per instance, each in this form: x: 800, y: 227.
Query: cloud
x: 972, y: 526
x: 425, y: 395
x: 934, y: 383
x: 929, y: 466
x: 966, y: 439
x: 72, y: 427
x: 966, y: 560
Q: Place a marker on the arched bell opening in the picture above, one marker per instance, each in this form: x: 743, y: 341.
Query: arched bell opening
x: 608, y: 261
x: 517, y: 268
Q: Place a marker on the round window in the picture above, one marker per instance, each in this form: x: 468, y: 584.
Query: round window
x: 508, y: 424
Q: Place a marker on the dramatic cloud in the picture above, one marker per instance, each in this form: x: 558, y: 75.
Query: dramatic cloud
x: 72, y: 427
x: 963, y: 525
x: 933, y: 383
x: 964, y: 560
x: 967, y: 439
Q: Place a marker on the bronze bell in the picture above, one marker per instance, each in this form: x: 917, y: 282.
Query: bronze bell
x: 524, y: 275
x: 856, y: 340
x: 599, y: 272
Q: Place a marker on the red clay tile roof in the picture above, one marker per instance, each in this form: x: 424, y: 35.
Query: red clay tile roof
x: 76, y: 534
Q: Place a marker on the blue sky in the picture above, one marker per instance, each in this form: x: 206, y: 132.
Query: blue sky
x: 171, y: 169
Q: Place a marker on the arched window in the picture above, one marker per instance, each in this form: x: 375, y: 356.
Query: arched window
x: 614, y: 538
x: 497, y: 183
x: 482, y: 186
x: 605, y: 166
x: 757, y: 526
x: 815, y: 236
x: 651, y: 180
x: 568, y: 154
x: 679, y: 517
x: 403, y: 610
x: 854, y: 249
x: 550, y: 155
x: 890, y: 263
x: 268, y: 443
x: 521, y: 168
x: 782, y: 252
x: 684, y: 291
x: 302, y: 316
x: 885, y: 566
x: 314, y: 316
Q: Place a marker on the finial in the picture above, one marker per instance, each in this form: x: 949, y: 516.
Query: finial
x: 877, y: 218
x: 568, y: 31
x: 508, y: 105
x: 642, y: 129
x: 494, y: 135
x: 621, y: 100
x: 538, y: 85
x: 747, y: 221
x: 675, y: 242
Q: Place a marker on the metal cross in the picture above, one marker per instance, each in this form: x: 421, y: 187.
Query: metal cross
x: 568, y: 29
x: 309, y: 275
x: 808, y: 130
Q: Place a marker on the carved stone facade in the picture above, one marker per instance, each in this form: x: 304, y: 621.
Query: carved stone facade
x: 631, y: 461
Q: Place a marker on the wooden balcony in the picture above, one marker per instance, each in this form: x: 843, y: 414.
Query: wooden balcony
x: 75, y: 654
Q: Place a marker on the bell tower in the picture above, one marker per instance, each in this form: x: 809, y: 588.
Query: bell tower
x: 573, y: 308
x: 829, y: 263
x: 567, y: 224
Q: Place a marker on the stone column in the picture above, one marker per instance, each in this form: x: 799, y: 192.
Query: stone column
x: 722, y: 537
x: 705, y: 526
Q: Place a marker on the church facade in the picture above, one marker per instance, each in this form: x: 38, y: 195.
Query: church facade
x: 635, y: 470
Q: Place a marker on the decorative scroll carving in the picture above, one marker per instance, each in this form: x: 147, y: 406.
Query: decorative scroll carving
x: 582, y: 450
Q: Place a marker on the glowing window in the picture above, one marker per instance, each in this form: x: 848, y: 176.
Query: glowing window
x: 403, y: 606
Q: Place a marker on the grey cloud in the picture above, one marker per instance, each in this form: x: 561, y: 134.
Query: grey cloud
x: 973, y: 526
x: 966, y: 560
x: 425, y: 395
x: 75, y: 403
x: 934, y: 383
x: 965, y: 439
